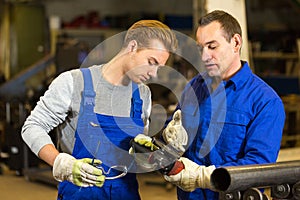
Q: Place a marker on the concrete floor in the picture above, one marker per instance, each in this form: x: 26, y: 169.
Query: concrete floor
x: 13, y: 187
x: 152, y: 186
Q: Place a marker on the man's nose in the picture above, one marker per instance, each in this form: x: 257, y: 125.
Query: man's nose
x: 205, y: 56
x: 153, y: 72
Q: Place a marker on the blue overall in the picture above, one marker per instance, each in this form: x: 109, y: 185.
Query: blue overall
x: 107, y: 138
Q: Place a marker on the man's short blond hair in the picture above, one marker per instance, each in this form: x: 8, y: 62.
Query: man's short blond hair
x: 145, y: 31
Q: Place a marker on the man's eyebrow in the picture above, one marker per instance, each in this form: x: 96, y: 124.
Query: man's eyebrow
x: 210, y: 42
x: 207, y: 43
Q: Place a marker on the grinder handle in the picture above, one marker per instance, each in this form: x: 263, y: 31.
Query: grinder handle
x: 139, y: 148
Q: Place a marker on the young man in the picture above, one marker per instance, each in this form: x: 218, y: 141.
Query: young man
x: 98, y: 111
x: 231, y: 116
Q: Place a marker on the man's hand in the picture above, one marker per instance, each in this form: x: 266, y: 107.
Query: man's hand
x: 192, y: 176
x: 146, y: 141
x: 175, y: 134
x: 80, y: 172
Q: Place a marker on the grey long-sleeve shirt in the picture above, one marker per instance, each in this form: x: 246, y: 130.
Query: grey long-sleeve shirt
x: 60, y: 104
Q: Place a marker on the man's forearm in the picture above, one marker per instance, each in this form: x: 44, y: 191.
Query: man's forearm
x: 48, y: 153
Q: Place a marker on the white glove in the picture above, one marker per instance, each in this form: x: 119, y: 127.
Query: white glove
x: 175, y: 134
x: 192, y: 176
x: 80, y: 172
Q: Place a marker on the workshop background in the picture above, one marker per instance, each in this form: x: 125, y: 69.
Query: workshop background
x: 42, y: 38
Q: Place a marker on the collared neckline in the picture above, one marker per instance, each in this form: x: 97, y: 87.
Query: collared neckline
x: 238, y: 80
x: 241, y: 77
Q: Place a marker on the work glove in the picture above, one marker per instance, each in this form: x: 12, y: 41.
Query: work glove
x: 144, y: 140
x: 80, y: 172
x: 192, y: 176
x: 174, y: 134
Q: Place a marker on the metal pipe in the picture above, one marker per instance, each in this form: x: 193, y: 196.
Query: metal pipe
x: 258, y: 175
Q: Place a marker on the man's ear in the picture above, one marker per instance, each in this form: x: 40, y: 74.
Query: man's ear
x: 132, y: 46
x: 237, y: 42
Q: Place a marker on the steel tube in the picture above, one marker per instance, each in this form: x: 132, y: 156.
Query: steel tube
x: 240, y: 178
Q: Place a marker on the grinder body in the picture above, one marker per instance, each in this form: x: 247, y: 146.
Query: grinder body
x: 165, y: 158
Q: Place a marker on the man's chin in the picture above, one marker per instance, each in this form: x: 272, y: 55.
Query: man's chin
x: 213, y: 73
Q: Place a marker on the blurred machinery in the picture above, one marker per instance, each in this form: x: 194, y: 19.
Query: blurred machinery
x: 26, y: 70
x: 291, y: 136
x: 16, y: 102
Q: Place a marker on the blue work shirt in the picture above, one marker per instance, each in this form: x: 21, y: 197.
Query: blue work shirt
x: 241, y: 122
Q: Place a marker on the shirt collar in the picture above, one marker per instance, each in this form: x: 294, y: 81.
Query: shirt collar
x: 238, y: 80
x: 241, y: 77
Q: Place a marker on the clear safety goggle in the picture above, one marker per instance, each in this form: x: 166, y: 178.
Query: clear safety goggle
x: 121, y: 168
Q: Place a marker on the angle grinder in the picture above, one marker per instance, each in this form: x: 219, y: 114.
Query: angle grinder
x: 165, y: 158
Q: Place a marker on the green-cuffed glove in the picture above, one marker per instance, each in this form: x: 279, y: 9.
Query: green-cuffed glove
x: 80, y: 172
x: 145, y: 141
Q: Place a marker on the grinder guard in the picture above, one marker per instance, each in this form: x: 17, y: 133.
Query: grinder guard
x: 165, y: 159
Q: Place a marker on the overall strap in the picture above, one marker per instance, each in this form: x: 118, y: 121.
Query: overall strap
x: 86, y: 115
x: 88, y: 94
x: 136, y: 102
